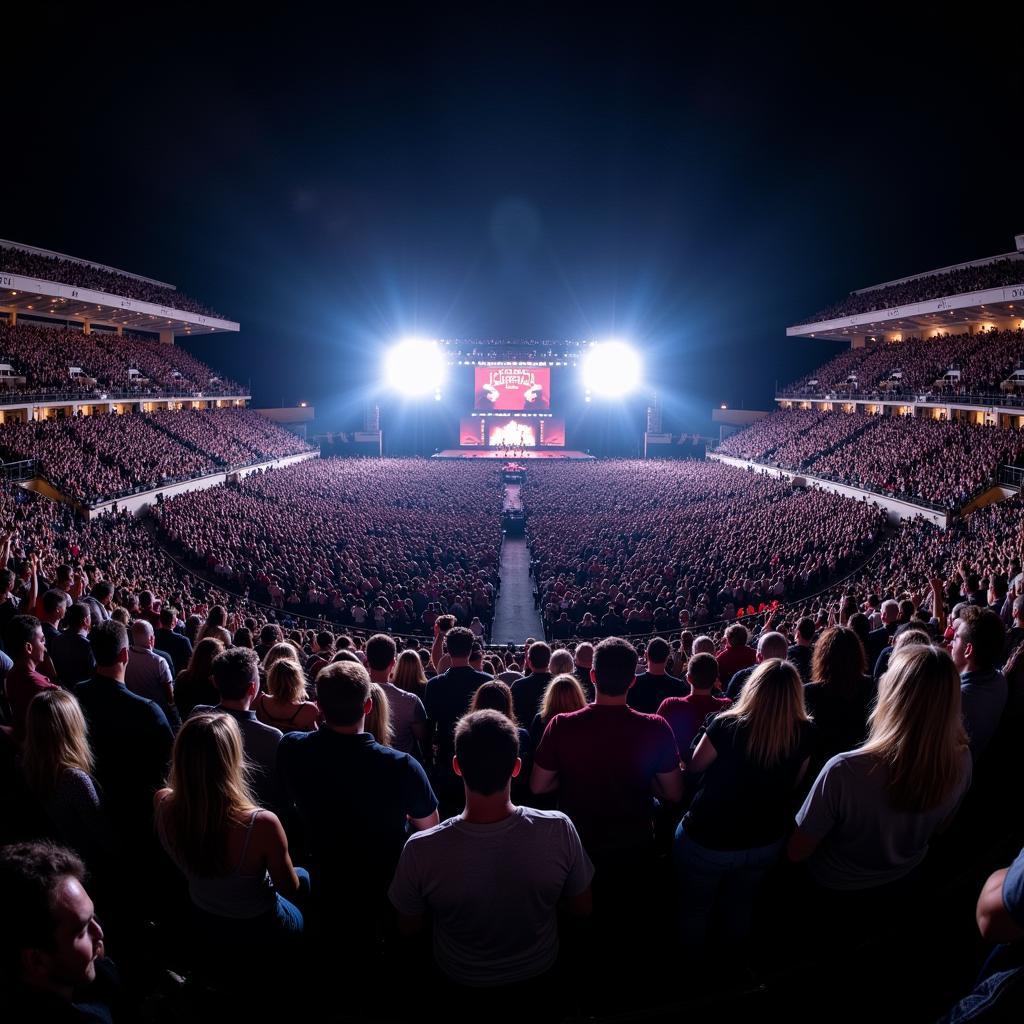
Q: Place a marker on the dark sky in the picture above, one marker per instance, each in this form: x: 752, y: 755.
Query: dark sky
x: 693, y: 186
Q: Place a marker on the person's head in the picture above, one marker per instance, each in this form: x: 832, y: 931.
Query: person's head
x: 539, y: 657
x: 78, y: 618
x: 381, y: 653
x: 343, y: 691
x: 890, y: 612
x: 200, y: 665
x: 6, y: 581
x: 51, y: 938
x: 907, y: 610
x: 103, y: 592
x: 242, y: 638
x: 142, y: 634
x: 771, y: 645
x: 217, y: 616
x: 109, y: 642
x: 561, y: 661
x: 585, y: 656
x: 286, y: 681
x: 978, y: 641
x: 270, y: 634
x: 916, y: 728
x: 409, y: 674
x: 285, y: 649
x: 804, y: 633
x: 236, y: 673
x: 476, y: 655
x: 494, y: 696
x: 209, y: 791
x: 323, y: 642
x: 771, y: 707
x: 658, y: 651
x: 459, y: 641
x: 703, y: 645
x: 168, y: 617
x: 378, y: 719
x: 55, y: 603
x: 486, y: 751
x: 861, y: 625
x: 614, y: 666
x: 839, y: 659
x: 561, y: 696
x: 737, y: 635
x: 24, y: 639
x: 56, y: 739
x: 702, y: 672
x: 908, y: 635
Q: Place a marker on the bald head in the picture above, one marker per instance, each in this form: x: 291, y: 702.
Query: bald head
x: 772, y: 645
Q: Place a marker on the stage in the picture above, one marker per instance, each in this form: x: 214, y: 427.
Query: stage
x: 521, y: 456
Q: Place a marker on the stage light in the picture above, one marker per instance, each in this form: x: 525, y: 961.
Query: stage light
x: 415, y: 366
x: 611, y: 369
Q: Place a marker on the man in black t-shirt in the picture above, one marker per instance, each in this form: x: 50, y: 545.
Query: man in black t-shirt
x: 655, y: 685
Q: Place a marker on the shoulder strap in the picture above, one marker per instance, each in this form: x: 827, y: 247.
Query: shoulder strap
x: 248, y: 836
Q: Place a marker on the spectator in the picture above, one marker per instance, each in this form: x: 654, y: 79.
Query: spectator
x: 655, y: 686
x: 195, y: 684
x: 528, y: 691
x: 24, y: 641
x: 70, y: 653
x: 770, y: 645
x: 284, y: 705
x: 685, y: 715
x: 408, y: 717
x: 976, y: 649
x: 148, y: 674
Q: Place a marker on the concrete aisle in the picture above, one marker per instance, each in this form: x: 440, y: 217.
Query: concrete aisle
x: 515, y: 617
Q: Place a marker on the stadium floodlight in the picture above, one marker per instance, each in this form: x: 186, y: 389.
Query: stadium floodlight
x: 415, y: 366
x: 611, y: 369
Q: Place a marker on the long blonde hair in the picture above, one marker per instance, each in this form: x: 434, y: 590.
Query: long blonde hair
x: 286, y: 681
x: 772, y: 708
x: 563, y: 694
x: 209, y: 792
x: 56, y: 739
x: 408, y: 673
x: 284, y: 649
x: 378, y: 721
x: 916, y: 728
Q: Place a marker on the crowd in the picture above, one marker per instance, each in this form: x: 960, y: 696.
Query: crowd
x: 983, y: 360
x: 91, y: 459
x: 386, y: 543
x: 996, y: 274
x: 45, y: 356
x: 53, y: 268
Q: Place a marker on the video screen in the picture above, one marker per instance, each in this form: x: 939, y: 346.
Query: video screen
x: 471, y: 432
x: 524, y: 433
x: 512, y: 388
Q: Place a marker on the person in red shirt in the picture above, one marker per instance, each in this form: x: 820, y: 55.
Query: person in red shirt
x: 26, y: 645
x: 737, y: 655
x: 685, y: 715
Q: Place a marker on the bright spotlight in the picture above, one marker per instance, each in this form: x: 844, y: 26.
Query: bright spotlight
x: 611, y: 369
x: 415, y: 366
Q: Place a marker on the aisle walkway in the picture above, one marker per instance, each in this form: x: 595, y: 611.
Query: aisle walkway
x: 515, y: 617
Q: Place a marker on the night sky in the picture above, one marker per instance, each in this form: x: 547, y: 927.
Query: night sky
x: 691, y: 186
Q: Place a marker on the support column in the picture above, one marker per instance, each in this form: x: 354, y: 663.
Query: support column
x: 167, y: 337
x: 86, y: 327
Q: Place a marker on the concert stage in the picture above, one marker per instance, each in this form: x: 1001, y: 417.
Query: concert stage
x: 521, y: 456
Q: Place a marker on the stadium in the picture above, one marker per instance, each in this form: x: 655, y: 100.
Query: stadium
x: 673, y: 667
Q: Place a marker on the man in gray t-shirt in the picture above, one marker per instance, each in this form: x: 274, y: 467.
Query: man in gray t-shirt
x: 408, y: 719
x: 492, y: 878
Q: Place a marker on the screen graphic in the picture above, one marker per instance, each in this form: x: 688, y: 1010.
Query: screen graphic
x: 512, y: 388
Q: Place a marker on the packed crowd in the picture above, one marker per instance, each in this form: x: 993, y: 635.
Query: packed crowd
x: 773, y: 793
x: 53, y: 268
x: 381, y: 542
x: 45, y: 356
x: 984, y: 361
x: 681, y: 543
x: 996, y: 274
x: 91, y: 459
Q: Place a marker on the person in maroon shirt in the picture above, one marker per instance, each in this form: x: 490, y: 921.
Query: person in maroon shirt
x: 607, y: 761
x: 685, y: 715
x: 737, y: 655
x: 26, y: 645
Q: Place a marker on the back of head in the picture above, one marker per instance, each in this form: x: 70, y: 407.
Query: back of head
x: 234, y: 671
x: 838, y: 659
x: 200, y: 664
x: 142, y: 631
x: 494, y: 696
x: 702, y: 671
x: 614, y: 666
x: 342, y: 689
x: 459, y: 641
x: 325, y: 640
x: 271, y: 634
x: 380, y: 652
x: 737, y: 635
x: 562, y: 695
x: 78, y: 615
x: 805, y: 629
x: 286, y: 681
x: 658, y: 651
x: 18, y: 634
x: 916, y: 727
x: 585, y: 655
x: 772, y: 645
x: 772, y: 708
x: 561, y: 661
x: 168, y: 616
x: 486, y: 746
x: 108, y: 639
x: 54, y: 603
x: 984, y: 631
x: 31, y: 876
x: 540, y: 656
x: 56, y: 738
x: 703, y: 645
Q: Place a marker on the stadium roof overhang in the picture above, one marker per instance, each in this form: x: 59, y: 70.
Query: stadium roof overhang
x: 953, y: 314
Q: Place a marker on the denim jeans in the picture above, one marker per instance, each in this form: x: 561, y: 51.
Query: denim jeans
x: 718, y: 886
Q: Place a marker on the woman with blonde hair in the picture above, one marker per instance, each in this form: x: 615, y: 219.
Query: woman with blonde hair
x: 57, y: 763
x: 871, y: 813
x: 216, y: 625
x: 284, y: 705
x: 233, y: 852
x: 378, y: 721
x: 749, y: 762
x: 284, y: 649
x: 194, y: 684
x: 408, y: 674
x: 562, y: 696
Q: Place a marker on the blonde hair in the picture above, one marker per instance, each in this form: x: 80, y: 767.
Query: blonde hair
x: 916, y: 728
x: 561, y: 662
x: 562, y: 695
x: 772, y: 708
x: 56, y: 739
x: 285, y: 649
x: 378, y: 721
x: 209, y: 793
x: 408, y: 673
x: 286, y: 681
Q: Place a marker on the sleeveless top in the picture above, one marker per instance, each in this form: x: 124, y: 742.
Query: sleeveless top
x: 284, y: 724
x: 237, y: 896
